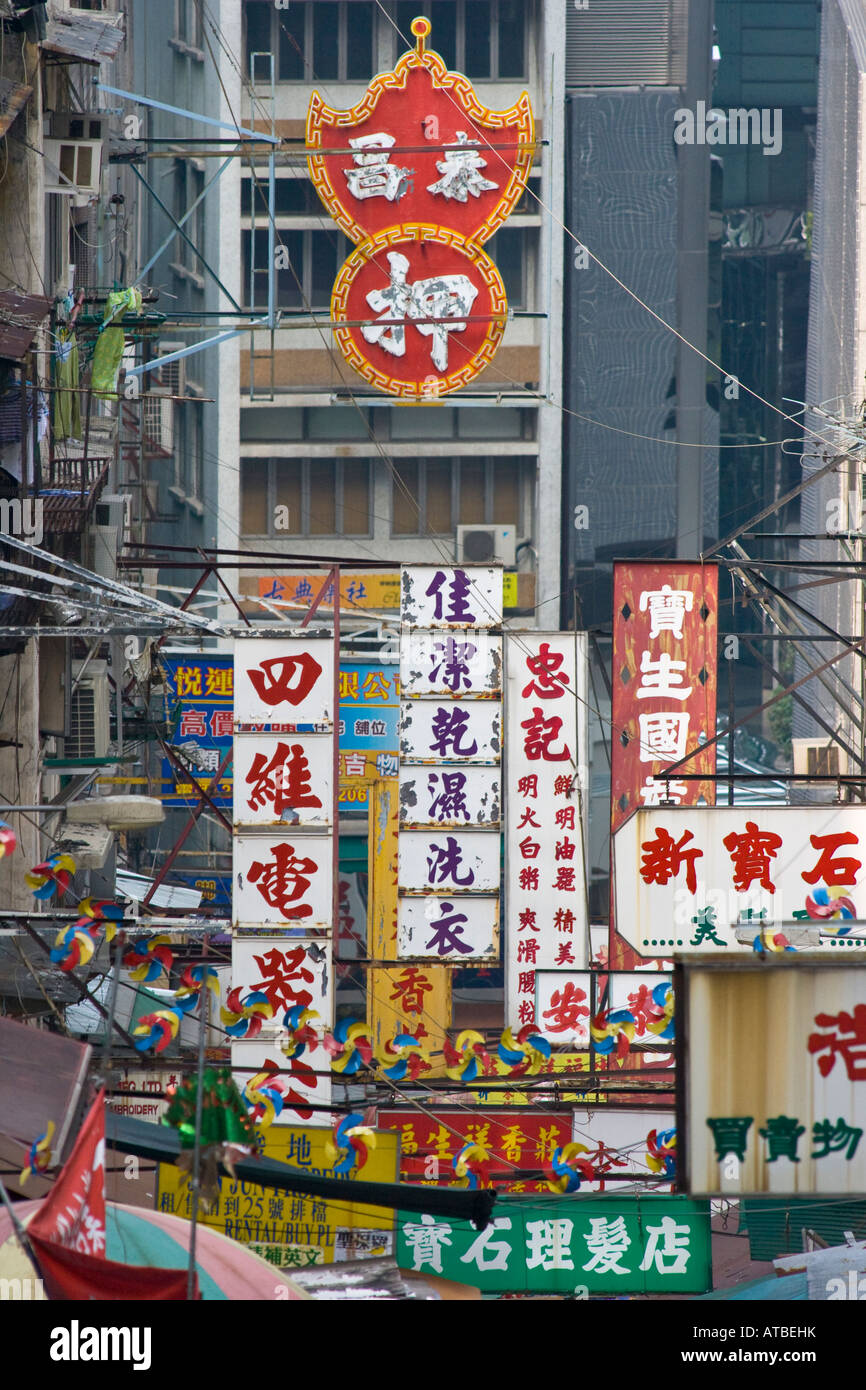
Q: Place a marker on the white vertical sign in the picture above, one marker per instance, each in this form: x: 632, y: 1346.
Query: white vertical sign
x: 450, y: 758
x: 284, y: 733
x: 545, y: 797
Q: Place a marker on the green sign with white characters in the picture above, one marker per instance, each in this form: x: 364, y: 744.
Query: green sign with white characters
x: 568, y: 1244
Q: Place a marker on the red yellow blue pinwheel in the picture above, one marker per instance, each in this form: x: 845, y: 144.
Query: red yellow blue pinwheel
x: 148, y: 957
x: 403, y: 1056
x: 157, y: 1030
x: 468, y: 1058
x: 75, y: 945
x: 569, y: 1169
x: 264, y: 1095
x: 301, y: 1032
x: 525, y: 1054
x: 243, y: 1015
x: 8, y: 842
x: 662, y: 1151
x: 39, y: 1157
x: 349, y: 1046
x: 352, y: 1138
x: 52, y: 876
x: 472, y: 1166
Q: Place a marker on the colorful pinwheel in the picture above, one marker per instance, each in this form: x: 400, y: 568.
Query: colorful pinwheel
x: 830, y: 904
x: 243, y: 1015
x: 75, y: 945
x: 264, y: 1095
x: 189, y: 989
x: 663, y: 1003
x: 778, y: 941
x: 468, y: 1058
x: 8, y: 841
x: 103, y: 911
x: 39, y: 1157
x: 569, y: 1169
x: 349, y: 1046
x: 662, y: 1151
x: 525, y: 1054
x: 52, y: 876
x: 157, y: 1030
x: 403, y: 1056
x: 472, y: 1166
x: 350, y: 1143
x: 612, y: 1029
x: 148, y: 957
x: 301, y: 1032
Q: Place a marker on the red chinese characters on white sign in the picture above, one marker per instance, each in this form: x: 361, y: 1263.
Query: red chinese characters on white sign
x: 544, y: 846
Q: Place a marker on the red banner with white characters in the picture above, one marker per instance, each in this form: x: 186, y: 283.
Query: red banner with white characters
x: 73, y: 1214
x: 664, y: 678
x: 520, y: 1144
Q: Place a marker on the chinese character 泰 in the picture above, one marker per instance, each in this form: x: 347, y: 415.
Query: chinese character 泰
x: 461, y: 172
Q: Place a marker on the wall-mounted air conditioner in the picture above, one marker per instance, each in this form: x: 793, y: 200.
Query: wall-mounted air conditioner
x: 87, y: 718
x: 73, y: 167
x: 157, y: 426
x: 815, y: 757
x: 112, y: 518
x: 486, y: 545
x: 169, y: 380
x: 79, y: 125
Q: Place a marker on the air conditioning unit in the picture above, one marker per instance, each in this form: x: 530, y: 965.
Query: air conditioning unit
x: 112, y: 517
x: 815, y: 757
x: 486, y: 545
x: 73, y: 167
x: 88, y: 715
x: 169, y: 380
x: 157, y: 426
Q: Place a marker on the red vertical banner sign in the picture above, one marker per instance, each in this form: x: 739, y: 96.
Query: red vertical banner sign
x: 663, y: 705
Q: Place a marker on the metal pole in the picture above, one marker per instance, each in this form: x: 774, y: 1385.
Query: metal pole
x: 195, y: 1181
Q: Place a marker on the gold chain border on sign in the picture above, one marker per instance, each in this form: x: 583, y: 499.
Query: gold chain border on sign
x: 397, y: 386
x: 519, y: 115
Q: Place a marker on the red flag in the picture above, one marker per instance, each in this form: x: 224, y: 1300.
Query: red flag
x: 73, y: 1213
x: 76, y: 1277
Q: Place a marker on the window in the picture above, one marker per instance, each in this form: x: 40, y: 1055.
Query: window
x: 307, y: 280
x: 188, y: 186
x: 295, y: 197
x: 435, y: 496
x: 189, y: 448
x: 349, y: 424
x: 481, y: 38
x: 512, y: 249
x: 188, y: 27
x: 305, y: 497
x: 323, y: 41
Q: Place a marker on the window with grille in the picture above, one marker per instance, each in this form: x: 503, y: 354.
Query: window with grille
x: 434, y: 496
x: 305, y: 497
x: 306, y: 265
x: 324, y: 41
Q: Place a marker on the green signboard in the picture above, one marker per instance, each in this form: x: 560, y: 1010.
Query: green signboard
x: 568, y: 1245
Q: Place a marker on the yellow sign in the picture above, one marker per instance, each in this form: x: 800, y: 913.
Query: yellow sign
x: 411, y: 999
x: 369, y: 590
x: 562, y: 1061
x: 286, y: 1221
x: 372, y: 589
